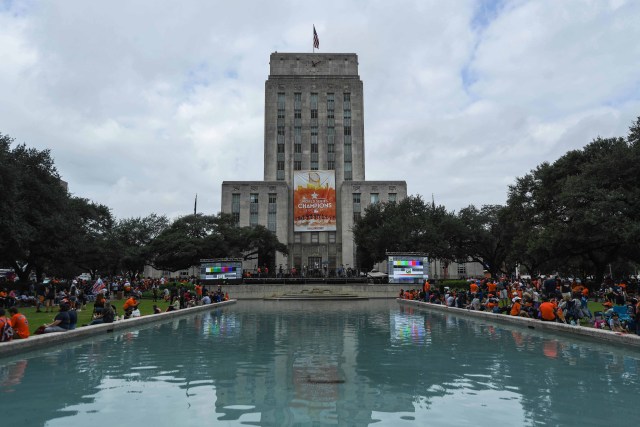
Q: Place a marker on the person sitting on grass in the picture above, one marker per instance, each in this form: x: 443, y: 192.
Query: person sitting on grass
x: 516, y: 307
x: 6, y: 331
x: 175, y: 304
x: 106, y: 315
x: 60, y: 322
x: 130, y: 305
x: 615, y: 324
x: 547, y: 310
x: 156, y: 309
x: 19, y: 323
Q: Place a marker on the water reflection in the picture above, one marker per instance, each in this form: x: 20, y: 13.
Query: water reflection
x: 286, y: 363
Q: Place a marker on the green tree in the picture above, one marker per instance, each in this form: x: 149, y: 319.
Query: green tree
x: 194, y: 237
x: 410, y: 225
x: 582, y: 211
x: 486, y: 237
x: 134, y: 236
x: 33, y: 225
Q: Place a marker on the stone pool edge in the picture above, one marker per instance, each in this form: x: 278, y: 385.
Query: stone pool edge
x: 600, y: 335
x: 37, y: 342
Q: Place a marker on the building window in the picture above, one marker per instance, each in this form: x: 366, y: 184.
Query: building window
x: 235, y: 208
x: 280, y: 148
x: 314, y: 165
x: 280, y: 165
x: 462, y: 269
x: 356, y: 198
x: 314, y: 101
x: 253, y: 209
x: 347, y: 152
x: 297, y: 237
x: 356, y: 217
x: 347, y: 171
x: 280, y: 100
x: 315, y: 237
x: 348, y: 175
x: 272, y: 212
x: 393, y: 197
x: 332, y: 237
x: 297, y: 165
x: 375, y: 198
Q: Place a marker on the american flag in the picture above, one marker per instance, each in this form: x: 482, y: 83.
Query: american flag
x: 316, y: 40
x: 98, y: 286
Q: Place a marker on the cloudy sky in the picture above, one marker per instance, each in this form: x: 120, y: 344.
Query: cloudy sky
x: 146, y: 103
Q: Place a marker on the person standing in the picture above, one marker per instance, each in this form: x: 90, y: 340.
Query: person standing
x: 49, y: 297
x: 19, y: 323
x: 154, y: 291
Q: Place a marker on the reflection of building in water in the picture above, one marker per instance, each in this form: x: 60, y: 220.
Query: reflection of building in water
x: 314, y: 162
x: 311, y: 379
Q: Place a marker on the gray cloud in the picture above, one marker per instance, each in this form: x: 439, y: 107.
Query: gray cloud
x: 146, y: 103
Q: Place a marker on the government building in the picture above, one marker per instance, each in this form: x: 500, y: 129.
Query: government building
x: 314, y: 183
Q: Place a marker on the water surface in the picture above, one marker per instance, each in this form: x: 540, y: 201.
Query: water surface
x: 277, y: 363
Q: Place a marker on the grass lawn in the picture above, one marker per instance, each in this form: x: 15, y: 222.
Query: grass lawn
x: 146, y: 307
x: 85, y: 316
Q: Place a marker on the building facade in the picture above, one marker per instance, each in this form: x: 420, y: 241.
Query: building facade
x: 314, y: 163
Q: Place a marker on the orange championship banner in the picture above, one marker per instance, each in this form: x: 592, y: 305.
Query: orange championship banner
x: 314, y: 201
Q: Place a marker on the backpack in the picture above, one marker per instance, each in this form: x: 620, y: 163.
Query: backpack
x: 6, y: 331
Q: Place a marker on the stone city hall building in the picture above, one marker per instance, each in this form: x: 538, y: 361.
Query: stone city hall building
x: 314, y: 169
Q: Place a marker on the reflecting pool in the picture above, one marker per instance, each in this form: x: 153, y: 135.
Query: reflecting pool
x: 355, y: 363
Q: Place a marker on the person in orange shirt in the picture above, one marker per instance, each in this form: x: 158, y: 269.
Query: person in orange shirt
x: 547, y: 310
x: 473, y: 287
x: 491, y: 286
x: 130, y: 305
x: 19, y: 324
x: 516, y: 307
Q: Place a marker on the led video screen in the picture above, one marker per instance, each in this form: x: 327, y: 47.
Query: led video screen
x: 408, y: 269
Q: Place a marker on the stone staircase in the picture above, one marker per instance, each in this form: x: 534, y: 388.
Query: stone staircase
x: 317, y: 295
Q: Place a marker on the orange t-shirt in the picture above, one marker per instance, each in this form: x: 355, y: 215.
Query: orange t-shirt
x: 547, y: 311
x: 473, y: 288
x: 20, y: 325
x: 515, y: 309
x: 492, y: 287
x: 129, y: 303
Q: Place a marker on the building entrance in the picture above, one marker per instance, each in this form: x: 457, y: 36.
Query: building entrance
x: 315, y: 266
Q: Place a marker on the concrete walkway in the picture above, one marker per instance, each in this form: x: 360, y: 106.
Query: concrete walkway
x: 601, y: 335
x: 37, y: 342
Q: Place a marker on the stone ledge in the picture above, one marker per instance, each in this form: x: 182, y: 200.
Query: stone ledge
x: 36, y: 342
x: 601, y: 335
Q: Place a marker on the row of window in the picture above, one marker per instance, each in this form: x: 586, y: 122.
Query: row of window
x: 315, y: 237
x: 297, y: 131
x: 374, y: 198
x: 254, y: 210
x: 348, y: 173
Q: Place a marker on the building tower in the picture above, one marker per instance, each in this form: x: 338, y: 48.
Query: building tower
x: 314, y: 166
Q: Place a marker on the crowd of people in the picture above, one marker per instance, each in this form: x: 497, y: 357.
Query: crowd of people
x: 68, y: 300
x: 551, y: 300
